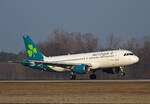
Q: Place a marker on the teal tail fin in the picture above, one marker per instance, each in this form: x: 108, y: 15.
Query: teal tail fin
x: 32, y: 51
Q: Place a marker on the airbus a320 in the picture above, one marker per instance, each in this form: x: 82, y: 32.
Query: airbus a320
x: 112, y: 61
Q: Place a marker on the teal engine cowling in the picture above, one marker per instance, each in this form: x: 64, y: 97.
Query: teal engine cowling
x: 80, y: 69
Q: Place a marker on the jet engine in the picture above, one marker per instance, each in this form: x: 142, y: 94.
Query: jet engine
x: 80, y: 69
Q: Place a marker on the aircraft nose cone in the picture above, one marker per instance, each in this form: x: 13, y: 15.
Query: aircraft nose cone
x: 136, y: 59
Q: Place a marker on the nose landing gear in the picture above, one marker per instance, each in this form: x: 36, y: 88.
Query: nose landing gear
x: 122, y: 71
x: 123, y: 74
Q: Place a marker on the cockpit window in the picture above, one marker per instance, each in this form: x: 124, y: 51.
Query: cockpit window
x: 127, y: 54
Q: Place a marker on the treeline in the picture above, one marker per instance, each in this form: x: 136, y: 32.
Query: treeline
x: 5, y: 56
x: 60, y: 43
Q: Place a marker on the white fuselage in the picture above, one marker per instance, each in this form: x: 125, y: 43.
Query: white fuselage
x: 105, y: 59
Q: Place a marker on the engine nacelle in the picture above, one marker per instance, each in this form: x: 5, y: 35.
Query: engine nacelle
x: 80, y: 69
x: 115, y: 70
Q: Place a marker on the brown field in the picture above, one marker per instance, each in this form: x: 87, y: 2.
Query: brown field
x: 68, y: 92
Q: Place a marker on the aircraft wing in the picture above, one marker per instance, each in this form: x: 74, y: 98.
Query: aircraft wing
x: 54, y: 63
x: 59, y: 64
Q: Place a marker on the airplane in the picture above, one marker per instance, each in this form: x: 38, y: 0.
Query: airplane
x: 112, y: 61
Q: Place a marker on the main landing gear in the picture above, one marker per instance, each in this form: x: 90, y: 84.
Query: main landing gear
x: 93, y: 75
x: 72, y: 76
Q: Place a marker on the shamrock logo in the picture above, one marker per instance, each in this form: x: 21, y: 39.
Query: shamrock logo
x: 32, y: 51
x: 111, y: 53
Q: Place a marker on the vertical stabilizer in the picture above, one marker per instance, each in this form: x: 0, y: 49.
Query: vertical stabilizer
x: 32, y: 51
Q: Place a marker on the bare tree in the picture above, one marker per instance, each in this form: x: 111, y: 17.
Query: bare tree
x: 131, y: 44
x: 61, y: 42
x: 113, y: 42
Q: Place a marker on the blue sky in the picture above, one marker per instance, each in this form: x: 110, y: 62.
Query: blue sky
x: 125, y: 18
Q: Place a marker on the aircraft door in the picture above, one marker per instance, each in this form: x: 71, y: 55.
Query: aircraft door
x: 114, y: 58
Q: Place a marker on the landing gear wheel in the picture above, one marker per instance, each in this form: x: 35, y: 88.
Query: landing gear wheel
x: 123, y: 73
x: 92, y: 76
x: 73, y: 77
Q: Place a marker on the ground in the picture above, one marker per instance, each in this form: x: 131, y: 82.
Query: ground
x: 78, y: 92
